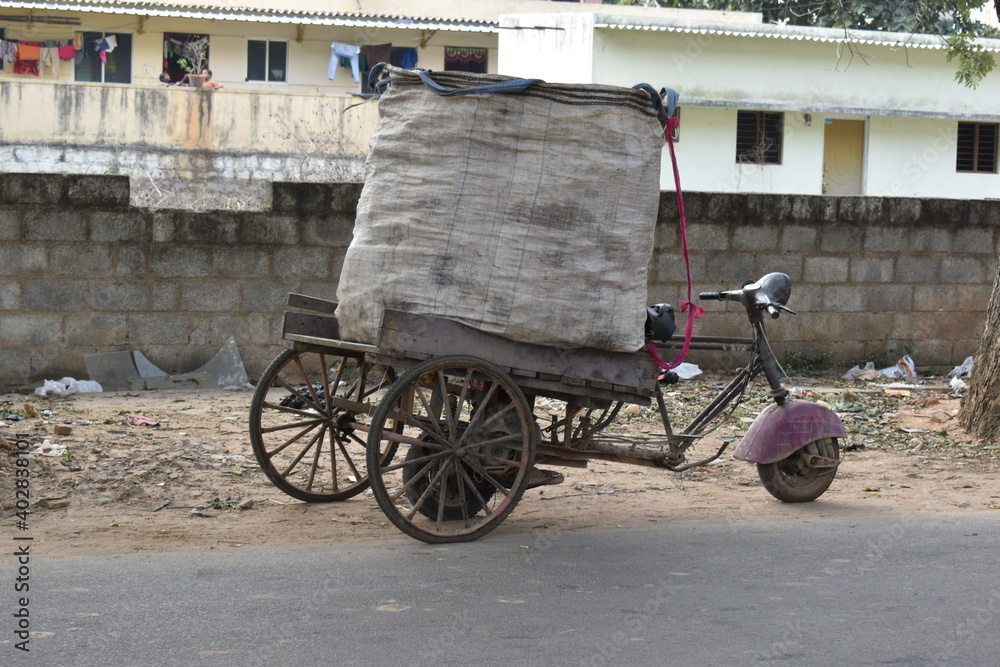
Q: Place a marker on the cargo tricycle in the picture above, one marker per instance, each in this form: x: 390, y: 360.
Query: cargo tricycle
x: 446, y: 425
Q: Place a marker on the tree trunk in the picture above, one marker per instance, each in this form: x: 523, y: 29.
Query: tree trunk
x: 980, y: 412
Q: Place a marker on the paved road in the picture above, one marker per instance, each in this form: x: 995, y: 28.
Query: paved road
x: 899, y: 591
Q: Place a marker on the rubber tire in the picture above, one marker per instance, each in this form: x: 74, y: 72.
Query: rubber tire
x: 782, y: 482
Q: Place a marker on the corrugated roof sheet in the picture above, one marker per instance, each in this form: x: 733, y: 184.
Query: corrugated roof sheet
x: 791, y: 32
x: 255, y: 15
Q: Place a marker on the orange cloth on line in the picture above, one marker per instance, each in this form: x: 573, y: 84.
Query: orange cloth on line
x: 29, y: 50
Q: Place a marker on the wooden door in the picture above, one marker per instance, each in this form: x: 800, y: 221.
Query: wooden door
x: 843, y: 157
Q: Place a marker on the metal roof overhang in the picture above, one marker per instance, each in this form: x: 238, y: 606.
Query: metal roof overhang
x: 804, y: 107
x: 348, y: 19
x: 795, y: 33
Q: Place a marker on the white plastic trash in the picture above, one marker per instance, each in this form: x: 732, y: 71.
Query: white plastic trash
x: 904, y: 368
x: 68, y: 386
x: 963, y: 370
x: 687, y: 371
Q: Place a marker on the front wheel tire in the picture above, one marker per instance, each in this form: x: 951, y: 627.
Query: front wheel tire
x: 793, y: 480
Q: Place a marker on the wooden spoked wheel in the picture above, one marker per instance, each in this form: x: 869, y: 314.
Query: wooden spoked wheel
x: 309, y: 422
x: 461, y: 454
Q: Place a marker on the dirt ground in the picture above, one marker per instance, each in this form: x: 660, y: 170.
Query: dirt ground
x: 189, y: 481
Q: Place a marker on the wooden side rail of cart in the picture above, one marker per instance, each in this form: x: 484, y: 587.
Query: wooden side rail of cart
x: 407, y: 339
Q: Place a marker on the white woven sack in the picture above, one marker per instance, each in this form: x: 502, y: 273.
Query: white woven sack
x: 528, y: 215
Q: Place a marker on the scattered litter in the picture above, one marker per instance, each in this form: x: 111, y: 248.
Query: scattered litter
x: 859, y: 373
x: 898, y: 392
x: 904, y: 368
x: 796, y: 392
x: 141, y: 420
x: 963, y: 370
x: 686, y: 371
x: 50, y: 448
x: 68, y: 386
x: 959, y: 386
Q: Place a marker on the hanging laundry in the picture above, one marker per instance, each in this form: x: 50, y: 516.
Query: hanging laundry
x: 106, y: 46
x: 78, y: 41
x: 67, y: 52
x: 8, y: 50
x: 49, y: 58
x: 349, y: 51
x: 28, y: 54
x: 377, y: 53
x: 404, y: 56
x: 26, y: 67
x: 29, y: 50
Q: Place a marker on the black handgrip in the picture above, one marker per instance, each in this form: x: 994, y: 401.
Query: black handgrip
x: 710, y: 296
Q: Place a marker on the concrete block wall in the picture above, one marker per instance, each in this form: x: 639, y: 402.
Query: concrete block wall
x: 872, y: 278
x: 82, y: 271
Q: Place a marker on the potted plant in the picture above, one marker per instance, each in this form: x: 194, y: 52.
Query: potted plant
x: 194, y: 54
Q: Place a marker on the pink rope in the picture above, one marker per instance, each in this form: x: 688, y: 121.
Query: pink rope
x: 693, y: 310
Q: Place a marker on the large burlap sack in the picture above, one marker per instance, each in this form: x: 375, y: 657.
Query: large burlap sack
x: 529, y: 215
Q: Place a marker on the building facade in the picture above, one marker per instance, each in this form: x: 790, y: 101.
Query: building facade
x: 788, y: 109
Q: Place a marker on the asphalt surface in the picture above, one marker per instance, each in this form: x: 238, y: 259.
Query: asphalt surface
x: 897, y: 591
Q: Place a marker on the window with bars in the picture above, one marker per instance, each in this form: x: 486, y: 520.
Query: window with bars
x: 758, y: 137
x: 977, y: 148
x: 3, y: 36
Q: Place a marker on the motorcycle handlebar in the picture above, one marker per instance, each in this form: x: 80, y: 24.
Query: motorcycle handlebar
x: 759, y: 294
